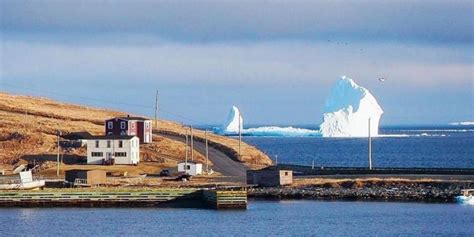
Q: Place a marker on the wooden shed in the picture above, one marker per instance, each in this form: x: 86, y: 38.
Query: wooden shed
x: 86, y: 177
x: 270, y: 177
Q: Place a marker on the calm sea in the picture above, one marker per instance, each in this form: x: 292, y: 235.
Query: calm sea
x: 401, y: 147
x: 397, y: 147
x: 263, y: 218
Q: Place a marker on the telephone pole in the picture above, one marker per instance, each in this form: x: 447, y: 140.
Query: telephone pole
x: 57, y: 158
x: 192, y: 144
x: 370, y: 148
x: 207, y: 154
x: 240, y: 135
x: 186, y: 152
x: 156, y: 110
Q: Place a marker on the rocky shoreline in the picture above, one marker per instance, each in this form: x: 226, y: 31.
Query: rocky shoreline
x: 372, y: 190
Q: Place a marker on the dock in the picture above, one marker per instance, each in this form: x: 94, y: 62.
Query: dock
x: 226, y: 199
x: 176, y: 197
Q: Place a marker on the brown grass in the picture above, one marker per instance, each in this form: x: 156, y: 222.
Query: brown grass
x: 28, y: 126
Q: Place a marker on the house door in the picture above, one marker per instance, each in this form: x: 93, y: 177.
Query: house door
x: 147, y: 137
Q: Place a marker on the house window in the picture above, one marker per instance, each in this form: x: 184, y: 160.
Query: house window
x: 96, y: 144
x: 108, y: 143
x: 188, y: 167
x: 120, y: 154
x: 97, y: 154
x: 120, y: 143
x: 286, y: 173
x: 110, y: 125
x: 122, y: 125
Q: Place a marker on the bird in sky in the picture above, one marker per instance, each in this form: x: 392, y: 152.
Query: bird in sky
x: 382, y: 79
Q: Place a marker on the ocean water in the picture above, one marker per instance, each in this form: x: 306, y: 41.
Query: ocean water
x: 448, y: 147
x: 263, y: 218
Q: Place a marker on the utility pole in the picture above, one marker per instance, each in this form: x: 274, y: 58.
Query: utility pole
x: 57, y: 158
x: 370, y: 148
x: 186, y: 153
x: 240, y: 135
x: 207, y: 154
x: 192, y: 144
x: 156, y: 110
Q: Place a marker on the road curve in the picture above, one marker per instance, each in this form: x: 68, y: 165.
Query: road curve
x: 233, y: 171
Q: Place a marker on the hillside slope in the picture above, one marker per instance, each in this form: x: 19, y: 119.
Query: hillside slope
x: 28, y: 127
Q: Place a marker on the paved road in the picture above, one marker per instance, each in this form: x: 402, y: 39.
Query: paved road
x: 233, y: 171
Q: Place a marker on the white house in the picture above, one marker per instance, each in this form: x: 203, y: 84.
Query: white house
x: 190, y: 168
x: 123, y: 150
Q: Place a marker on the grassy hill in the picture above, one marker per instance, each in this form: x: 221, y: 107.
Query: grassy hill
x: 28, y: 128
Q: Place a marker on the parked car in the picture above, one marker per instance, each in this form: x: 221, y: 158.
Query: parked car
x: 164, y: 173
x: 183, y: 177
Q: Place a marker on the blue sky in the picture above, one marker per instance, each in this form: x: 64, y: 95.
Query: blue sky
x: 276, y: 60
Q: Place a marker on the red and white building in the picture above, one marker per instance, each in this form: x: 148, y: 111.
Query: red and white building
x: 130, y: 126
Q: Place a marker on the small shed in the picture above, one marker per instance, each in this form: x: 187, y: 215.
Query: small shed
x: 190, y: 168
x: 86, y: 177
x: 270, y: 177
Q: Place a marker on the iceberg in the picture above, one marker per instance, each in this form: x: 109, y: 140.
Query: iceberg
x: 231, y: 127
x: 465, y: 123
x: 274, y: 131
x: 348, y: 110
x: 231, y: 124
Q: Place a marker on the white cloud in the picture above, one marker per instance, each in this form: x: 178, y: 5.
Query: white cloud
x: 270, y: 63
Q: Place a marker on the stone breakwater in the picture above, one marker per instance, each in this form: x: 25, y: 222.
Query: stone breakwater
x: 356, y: 190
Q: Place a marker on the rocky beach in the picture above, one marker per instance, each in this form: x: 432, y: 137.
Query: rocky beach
x: 365, y: 190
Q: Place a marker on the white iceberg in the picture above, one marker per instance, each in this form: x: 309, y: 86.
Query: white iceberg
x: 274, y: 131
x: 465, y: 123
x: 348, y: 110
x: 231, y: 125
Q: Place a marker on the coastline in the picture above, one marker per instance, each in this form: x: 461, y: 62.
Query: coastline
x: 366, y: 190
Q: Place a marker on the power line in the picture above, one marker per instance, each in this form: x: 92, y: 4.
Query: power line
x: 160, y: 109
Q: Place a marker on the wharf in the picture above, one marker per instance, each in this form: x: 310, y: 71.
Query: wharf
x: 179, y: 197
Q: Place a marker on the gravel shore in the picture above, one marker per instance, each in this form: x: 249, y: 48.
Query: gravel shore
x: 367, y: 190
